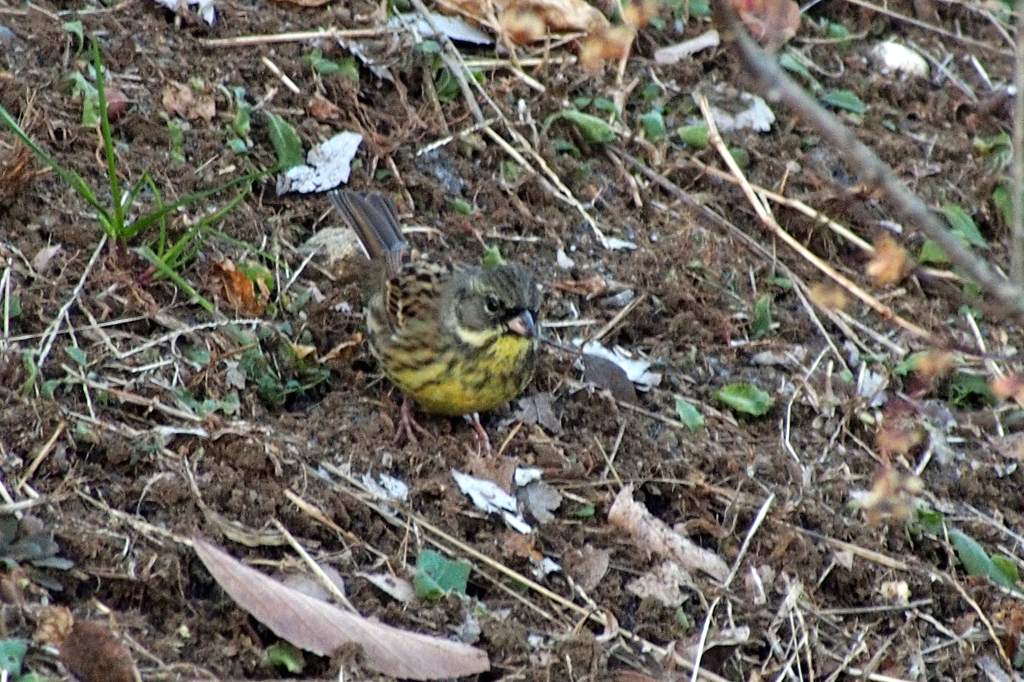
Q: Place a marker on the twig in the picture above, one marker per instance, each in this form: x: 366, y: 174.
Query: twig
x: 758, y: 520
x: 777, y: 86
x: 51, y: 331
x: 770, y: 222
x: 929, y: 27
x: 295, y: 36
x: 1017, y: 242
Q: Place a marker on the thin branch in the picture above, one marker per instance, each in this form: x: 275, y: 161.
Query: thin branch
x: 1017, y: 186
x: 777, y: 86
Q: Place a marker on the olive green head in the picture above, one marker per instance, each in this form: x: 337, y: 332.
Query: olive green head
x: 487, y: 302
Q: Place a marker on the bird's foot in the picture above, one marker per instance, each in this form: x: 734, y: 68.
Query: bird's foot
x: 408, y: 427
x: 483, y: 441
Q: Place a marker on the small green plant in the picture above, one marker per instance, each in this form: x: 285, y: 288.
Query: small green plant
x: 114, y: 218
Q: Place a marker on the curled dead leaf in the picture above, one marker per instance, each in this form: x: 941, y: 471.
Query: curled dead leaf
x: 892, y: 496
x: 639, y: 14
x: 557, y: 15
x: 900, y: 430
x: 245, y: 295
x: 522, y: 27
x: 890, y: 263
x: 182, y: 100
x: 1009, y: 386
x: 323, y: 109
x: 94, y: 654
x: 610, y: 44
x: 828, y: 296
x: 772, y: 22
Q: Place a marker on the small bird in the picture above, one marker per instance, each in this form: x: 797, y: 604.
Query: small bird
x: 457, y: 339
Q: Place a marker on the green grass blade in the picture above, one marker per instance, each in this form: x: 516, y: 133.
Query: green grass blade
x: 172, y: 274
x: 73, y: 179
x: 143, y: 222
x: 108, y: 141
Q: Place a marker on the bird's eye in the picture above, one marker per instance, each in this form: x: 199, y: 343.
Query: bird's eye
x: 491, y: 305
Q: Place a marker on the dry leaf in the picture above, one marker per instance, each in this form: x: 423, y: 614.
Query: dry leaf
x: 828, y: 296
x: 890, y: 263
x: 891, y: 496
x: 900, y: 431
x: 651, y: 534
x: 587, y: 566
x: 1009, y: 386
x: 94, y: 654
x: 610, y: 44
x: 639, y: 14
x: 41, y: 261
x: 117, y: 103
x: 522, y: 27
x: 241, y: 293
x: 320, y: 628
x: 539, y: 408
x: 183, y: 101
x: 772, y: 22
x: 662, y: 584
x: 556, y: 15
x: 521, y: 546
x: 397, y: 588
x: 14, y: 172
x: 53, y: 626
x: 323, y: 109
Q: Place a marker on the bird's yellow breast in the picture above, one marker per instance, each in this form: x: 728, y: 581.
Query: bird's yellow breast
x: 456, y: 383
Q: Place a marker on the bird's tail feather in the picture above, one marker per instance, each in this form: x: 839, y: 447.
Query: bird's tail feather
x: 375, y: 221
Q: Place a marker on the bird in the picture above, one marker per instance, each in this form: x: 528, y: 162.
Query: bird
x: 456, y: 339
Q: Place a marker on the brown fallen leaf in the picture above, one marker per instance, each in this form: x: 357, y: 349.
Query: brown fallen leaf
x: 322, y: 629
x: 305, y: 3
x: 323, y: 109
x: 1008, y: 386
x: 772, y: 22
x: 183, y: 101
x: 652, y: 535
x: 587, y: 566
x: 892, y: 496
x: 117, y: 103
x: 94, y: 654
x: 243, y: 294
x: 608, y: 44
x: 890, y: 263
x: 828, y: 296
x: 605, y: 374
x: 556, y: 16
x: 900, y: 430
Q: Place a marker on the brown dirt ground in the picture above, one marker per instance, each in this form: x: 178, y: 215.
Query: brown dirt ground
x: 114, y: 482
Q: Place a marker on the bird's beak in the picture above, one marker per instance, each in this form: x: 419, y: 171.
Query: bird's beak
x: 523, y: 324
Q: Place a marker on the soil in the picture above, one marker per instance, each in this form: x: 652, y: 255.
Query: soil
x: 107, y: 445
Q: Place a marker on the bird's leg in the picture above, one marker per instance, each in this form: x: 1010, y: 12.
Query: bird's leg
x: 483, y: 441
x: 407, y: 425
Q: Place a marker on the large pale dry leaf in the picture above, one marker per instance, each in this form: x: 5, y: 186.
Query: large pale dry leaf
x: 318, y: 627
x: 651, y: 534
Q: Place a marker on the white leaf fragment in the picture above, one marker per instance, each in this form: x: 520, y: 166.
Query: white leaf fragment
x: 206, y: 8
x: 386, y: 487
x: 893, y: 57
x: 675, y: 53
x: 487, y: 496
x: 637, y: 370
x: 327, y: 166
x: 758, y: 116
